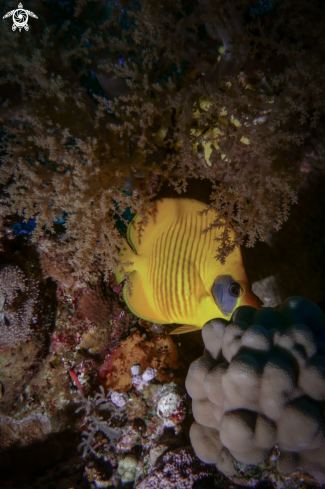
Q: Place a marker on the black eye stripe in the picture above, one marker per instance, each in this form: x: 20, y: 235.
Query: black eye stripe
x: 226, y: 292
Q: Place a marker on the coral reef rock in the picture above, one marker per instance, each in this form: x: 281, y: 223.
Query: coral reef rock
x: 268, y: 291
x: 261, y: 383
x: 24, y: 431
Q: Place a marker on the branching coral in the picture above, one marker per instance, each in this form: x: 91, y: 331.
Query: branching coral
x: 57, y: 266
x: 105, y: 97
x: 96, y: 424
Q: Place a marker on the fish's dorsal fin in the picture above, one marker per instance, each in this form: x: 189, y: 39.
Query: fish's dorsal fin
x: 161, y: 215
x: 186, y: 328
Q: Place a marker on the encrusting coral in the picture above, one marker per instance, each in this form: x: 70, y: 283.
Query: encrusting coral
x: 261, y: 383
x: 23, y: 431
x: 106, y: 102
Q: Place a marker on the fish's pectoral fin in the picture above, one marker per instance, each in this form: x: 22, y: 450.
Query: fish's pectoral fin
x: 186, y: 328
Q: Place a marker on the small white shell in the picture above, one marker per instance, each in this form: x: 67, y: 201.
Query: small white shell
x: 136, y: 369
x: 149, y: 374
x: 118, y: 399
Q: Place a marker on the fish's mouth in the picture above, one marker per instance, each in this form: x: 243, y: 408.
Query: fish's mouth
x: 250, y: 299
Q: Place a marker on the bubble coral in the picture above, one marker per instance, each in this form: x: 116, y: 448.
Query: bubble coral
x: 261, y: 383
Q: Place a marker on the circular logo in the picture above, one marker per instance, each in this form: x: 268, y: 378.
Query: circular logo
x: 20, y: 19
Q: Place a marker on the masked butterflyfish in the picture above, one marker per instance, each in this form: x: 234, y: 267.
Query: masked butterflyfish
x: 174, y: 275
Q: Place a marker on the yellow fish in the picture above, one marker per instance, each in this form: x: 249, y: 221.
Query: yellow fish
x: 174, y: 275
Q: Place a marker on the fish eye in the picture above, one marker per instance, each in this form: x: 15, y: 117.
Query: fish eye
x: 234, y: 289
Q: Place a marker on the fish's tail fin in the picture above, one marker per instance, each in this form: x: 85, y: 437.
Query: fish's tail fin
x: 127, y: 262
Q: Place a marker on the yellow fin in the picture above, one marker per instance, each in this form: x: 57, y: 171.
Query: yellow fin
x: 186, y: 328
